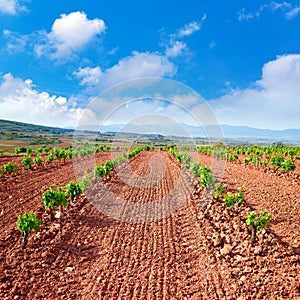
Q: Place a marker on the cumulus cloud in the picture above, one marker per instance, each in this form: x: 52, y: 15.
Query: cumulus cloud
x: 272, y: 103
x: 69, y: 34
x: 11, y: 7
x: 21, y: 102
x: 289, y: 10
x: 139, y: 64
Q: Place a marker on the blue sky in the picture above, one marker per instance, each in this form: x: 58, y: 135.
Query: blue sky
x: 243, y: 57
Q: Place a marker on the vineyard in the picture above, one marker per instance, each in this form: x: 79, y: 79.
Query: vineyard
x: 211, y: 222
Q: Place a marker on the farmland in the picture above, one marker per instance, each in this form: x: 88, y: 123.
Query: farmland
x: 146, y: 228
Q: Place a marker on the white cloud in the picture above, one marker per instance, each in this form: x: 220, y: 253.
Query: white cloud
x: 176, y: 49
x: 11, y: 7
x: 113, y: 51
x: 69, y: 34
x: 16, y: 42
x: 276, y: 5
x: 89, y: 76
x: 136, y: 66
x: 151, y: 97
x: 8, y: 6
x: 186, y: 100
x: 288, y: 10
x: 21, y: 102
x: 190, y: 28
x: 175, y: 46
x: 245, y: 16
x: 121, y: 110
x: 273, y: 103
x: 291, y: 14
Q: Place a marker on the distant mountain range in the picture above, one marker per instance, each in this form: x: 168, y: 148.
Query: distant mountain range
x: 230, y: 133
x: 20, y: 127
x: 242, y: 133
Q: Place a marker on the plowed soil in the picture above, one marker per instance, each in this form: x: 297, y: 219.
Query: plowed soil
x: 22, y: 191
x: 276, y: 192
x: 192, y: 252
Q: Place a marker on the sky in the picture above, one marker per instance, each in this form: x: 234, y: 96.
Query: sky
x: 242, y: 57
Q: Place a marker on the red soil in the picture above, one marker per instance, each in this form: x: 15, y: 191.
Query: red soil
x: 278, y: 193
x: 22, y: 191
x: 192, y: 253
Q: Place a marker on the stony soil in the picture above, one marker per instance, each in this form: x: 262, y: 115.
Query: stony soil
x: 276, y: 192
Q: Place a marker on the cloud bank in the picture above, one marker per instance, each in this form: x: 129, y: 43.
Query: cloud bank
x: 273, y: 102
x: 19, y: 101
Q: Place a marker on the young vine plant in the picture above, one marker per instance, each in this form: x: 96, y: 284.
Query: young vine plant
x: 27, y: 223
x: 257, y: 222
x: 10, y: 167
x: 54, y: 198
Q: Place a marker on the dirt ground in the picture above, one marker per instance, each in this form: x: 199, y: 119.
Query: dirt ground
x: 157, y: 240
x: 276, y: 192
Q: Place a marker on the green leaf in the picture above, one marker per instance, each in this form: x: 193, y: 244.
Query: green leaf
x: 73, y: 190
x: 28, y: 222
x: 54, y: 198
